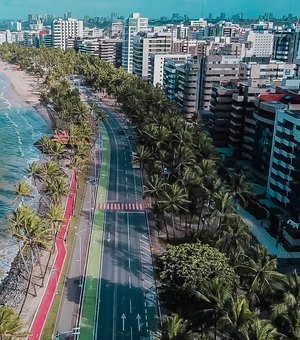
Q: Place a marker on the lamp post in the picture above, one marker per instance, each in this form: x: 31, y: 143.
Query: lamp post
x: 80, y: 255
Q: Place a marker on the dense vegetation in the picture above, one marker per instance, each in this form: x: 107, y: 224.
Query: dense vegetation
x: 214, y: 280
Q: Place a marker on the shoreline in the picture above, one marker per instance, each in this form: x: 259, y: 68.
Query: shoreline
x: 23, y: 89
x: 27, y: 89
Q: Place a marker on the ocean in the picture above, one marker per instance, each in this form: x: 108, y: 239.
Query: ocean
x: 20, y: 127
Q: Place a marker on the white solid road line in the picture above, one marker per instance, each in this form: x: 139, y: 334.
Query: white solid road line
x: 129, y: 281
x: 130, y: 306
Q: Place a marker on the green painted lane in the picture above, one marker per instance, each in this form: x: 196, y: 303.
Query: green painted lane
x: 92, y: 275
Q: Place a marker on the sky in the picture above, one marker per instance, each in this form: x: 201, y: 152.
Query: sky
x: 148, y: 8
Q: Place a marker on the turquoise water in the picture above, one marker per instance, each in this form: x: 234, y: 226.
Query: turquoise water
x: 20, y: 127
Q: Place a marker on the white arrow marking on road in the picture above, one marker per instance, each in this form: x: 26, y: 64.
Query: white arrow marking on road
x: 108, y: 237
x: 123, y: 317
x: 138, y: 317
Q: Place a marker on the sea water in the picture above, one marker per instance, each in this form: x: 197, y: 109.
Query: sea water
x: 20, y: 127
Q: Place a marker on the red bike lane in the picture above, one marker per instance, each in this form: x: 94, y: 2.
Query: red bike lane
x: 50, y: 290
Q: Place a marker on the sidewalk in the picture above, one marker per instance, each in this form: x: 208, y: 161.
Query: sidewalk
x: 45, y: 304
x: 264, y: 238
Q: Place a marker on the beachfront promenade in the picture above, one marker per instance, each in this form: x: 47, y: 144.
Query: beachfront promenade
x: 50, y: 290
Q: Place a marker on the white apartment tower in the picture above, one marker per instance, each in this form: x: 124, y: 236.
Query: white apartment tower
x: 132, y: 26
x: 65, y: 30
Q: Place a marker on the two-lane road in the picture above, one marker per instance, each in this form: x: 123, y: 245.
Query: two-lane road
x: 123, y: 311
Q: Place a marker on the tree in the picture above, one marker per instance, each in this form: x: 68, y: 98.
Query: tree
x: 286, y: 313
x: 237, y: 321
x: 173, y: 201
x: 174, y: 328
x: 239, y: 187
x: 56, y: 188
x: 189, y: 267
x: 34, y: 171
x: 10, y: 325
x: 263, y: 330
x: 259, y: 273
x: 22, y: 190
x: 222, y: 208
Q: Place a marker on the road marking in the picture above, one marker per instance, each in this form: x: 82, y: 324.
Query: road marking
x: 123, y: 317
x: 130, y: 306
x: 128, y: 236
x: 129, y: 281
x: 108, y: 237
x: 138, y: 317
x: 126, y: 178
x: 131, y: 333
x: 129, y: 262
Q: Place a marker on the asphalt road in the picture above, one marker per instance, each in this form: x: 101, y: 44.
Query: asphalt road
x: 127, y: 307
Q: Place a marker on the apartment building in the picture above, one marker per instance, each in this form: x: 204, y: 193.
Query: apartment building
x: 157, y: 64
x: 111, y: 51
x: 286, y: 43
x: 284, y: 172
x: 260, y: 43
x: 144, y: 45
x: 132, y: 26
x: 274, y: 70
x: 220, y: 113
x: 64, y: 31
x: 216, y: 70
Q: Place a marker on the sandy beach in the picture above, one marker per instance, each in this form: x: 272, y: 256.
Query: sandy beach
x: 26, y: 87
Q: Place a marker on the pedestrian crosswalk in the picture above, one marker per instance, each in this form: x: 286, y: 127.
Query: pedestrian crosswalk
x: 120, y: 206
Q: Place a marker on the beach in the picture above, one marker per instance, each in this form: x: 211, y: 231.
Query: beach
x: 26, y: 87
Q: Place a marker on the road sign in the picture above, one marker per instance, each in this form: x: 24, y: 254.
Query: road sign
x: 138, y: 317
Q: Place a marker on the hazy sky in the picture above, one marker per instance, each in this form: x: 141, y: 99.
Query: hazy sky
x: 148, y: 8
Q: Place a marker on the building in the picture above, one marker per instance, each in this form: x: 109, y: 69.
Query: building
x: 260, y: 43
x: 65, y: 31
x: 132, y: 26
x: 157, y: 63
x: 274, y: 70
x: 216, y: 70
x: 89, y: 46
x: 285, y: 44
x: 144, y: 45
x: 188, y: 86
x: 220, y: 114
x: 116, y: 29
x: 170, y: 78
x: 284, y: 172
x: 16, y: 26
x: 111, y: 51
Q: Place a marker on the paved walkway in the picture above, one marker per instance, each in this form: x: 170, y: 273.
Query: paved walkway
x: 264, y: 238
x: 50, y: 290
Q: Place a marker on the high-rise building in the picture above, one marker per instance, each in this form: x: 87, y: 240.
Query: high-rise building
x: 260, y: 43
x: 132, y: 26
x: 64, y: 31
x: 144, y: 45
x: 284, y: 173
x: 220, y: 108
x: 157, y: 65
x: 111, y: 51
x: 285, y: 43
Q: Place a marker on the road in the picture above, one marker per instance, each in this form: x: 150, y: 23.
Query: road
x: 124, y: 305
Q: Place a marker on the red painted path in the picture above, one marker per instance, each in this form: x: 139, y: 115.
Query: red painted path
x: 45, y: 304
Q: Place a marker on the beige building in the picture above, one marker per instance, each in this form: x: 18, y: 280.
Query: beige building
x: 144, y: 45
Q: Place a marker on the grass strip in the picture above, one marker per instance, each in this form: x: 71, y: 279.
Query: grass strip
x: 90, y: 293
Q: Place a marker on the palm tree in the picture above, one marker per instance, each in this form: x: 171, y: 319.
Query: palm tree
x: 211, y: 303
x: 34, y: 171
x: 285, y: 314
x: 174, y: 201
x: 263, y: 330
x: 56, y: 188
x: 22, y: 190
x: 10, y: 324
x: 237, y: 321
x: 174, y: 328
x: 222, y: 208
x: 55, y: 216
x: 259, y: 272
x: 144, y: 155
x: 239, y: 187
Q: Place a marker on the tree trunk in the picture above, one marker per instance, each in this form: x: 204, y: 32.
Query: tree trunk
x: 31, y: 274
x: 166, y: 227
